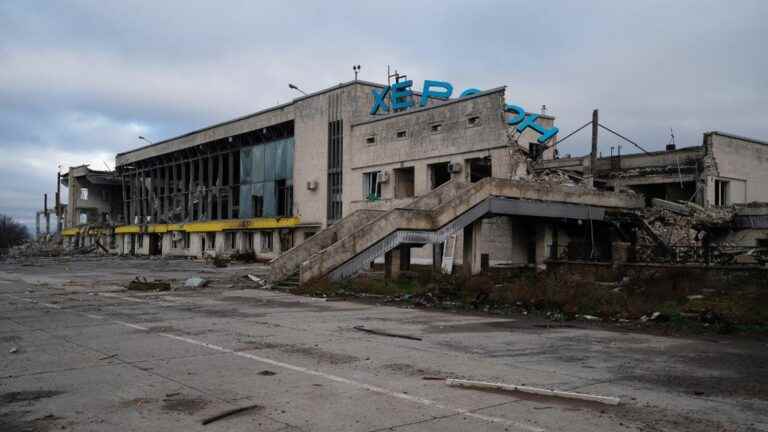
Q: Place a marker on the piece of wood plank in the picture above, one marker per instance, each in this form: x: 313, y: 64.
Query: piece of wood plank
x: 608, y: 400
x: 228, y: 413
x: 383, y: 333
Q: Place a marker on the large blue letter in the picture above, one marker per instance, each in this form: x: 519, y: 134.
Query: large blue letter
x: 519, y: 114
x: 530, y: 122
x: 378, y: 100
x: 400, y: 97
x: 469, y: 92
x: 427, y: 91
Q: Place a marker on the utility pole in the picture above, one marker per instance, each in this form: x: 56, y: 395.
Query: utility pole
x: 58, y: 200
x: 45, y: 215
x: 593, y: 154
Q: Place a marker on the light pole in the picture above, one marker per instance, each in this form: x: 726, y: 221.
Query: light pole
x: 356, y: 68
x: 144, y: 139
x: 293, y: 87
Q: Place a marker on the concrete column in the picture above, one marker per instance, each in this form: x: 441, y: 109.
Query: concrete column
x: 392, y: 264
x: 469, y: 250
x: 543, y: 237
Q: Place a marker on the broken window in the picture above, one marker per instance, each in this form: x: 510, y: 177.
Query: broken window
x: 437, y: 127
x: 439, y: 173
x: 266, y: 241
x: 371, y: 186
x: 284, y: 191
x: 232, y: 240
x: 721, y: 193
x: 286, y: 240
x: 404, y: 182
x: 473, y: 121
x: 478, y: 169
x: 370, y: 140
x: 257, y: 205
x: 401, y: 134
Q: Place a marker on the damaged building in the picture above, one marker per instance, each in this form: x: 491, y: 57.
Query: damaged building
x: 336, y: 181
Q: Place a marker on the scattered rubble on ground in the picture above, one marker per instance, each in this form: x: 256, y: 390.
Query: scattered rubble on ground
x: 195, y: 282
x: 142, y: 284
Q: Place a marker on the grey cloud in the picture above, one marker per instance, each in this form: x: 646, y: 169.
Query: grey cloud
x: 78, y: 78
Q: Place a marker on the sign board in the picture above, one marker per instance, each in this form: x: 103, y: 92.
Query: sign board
x: 400, y: 97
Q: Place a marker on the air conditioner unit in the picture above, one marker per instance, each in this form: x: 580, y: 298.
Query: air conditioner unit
x: 454, y: 167
x: 312, y: 185
x: 383, y: 176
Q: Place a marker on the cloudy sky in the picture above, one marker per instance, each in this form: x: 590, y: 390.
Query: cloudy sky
x: 81, y: 80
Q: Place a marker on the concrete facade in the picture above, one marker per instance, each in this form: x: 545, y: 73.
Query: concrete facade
x: 179, y: 190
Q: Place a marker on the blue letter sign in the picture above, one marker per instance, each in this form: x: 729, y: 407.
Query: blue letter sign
x: 428, y: 92
x: 378, y: 100
x: 401, y: 98
x: 401, y: 95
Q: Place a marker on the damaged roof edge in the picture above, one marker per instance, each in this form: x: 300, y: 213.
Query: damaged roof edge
x: 739, y: 137
x: 257, y: 113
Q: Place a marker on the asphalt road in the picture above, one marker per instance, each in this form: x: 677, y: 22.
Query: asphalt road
x: 90, y: 356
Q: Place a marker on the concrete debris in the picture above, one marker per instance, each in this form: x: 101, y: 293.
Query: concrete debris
x: 195, y: 282
x: 608, y: 400
x: 557, y: 177
x: 671, y: 206
x: 141, y: 284
x: 259, y: 281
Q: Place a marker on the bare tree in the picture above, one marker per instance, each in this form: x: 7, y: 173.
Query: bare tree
x: 12, y: 233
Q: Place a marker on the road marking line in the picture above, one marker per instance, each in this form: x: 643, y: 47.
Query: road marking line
x: 301, y: 369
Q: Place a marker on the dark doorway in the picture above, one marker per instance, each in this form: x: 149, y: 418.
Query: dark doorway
x: 155, y: 244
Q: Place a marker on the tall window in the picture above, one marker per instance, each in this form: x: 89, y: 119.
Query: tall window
x: 266, y: 241
x: 371, y: 186
x: 258, y: 205
x: 721, y: 193
x: 335, y: 157
x: 284, y: 198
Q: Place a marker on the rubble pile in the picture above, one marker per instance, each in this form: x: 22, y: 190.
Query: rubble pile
x: 50, y: 246
x: 554, y: 177
x: 681, y: 223
x: 673, y: 229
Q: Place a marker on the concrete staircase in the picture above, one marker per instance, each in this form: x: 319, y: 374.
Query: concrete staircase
x: 443, y: 212
x: 289, y: 262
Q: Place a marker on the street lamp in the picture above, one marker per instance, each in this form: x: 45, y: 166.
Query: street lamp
x: 356, y: 68
x: 144, y: 139
x: 293, y: 87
